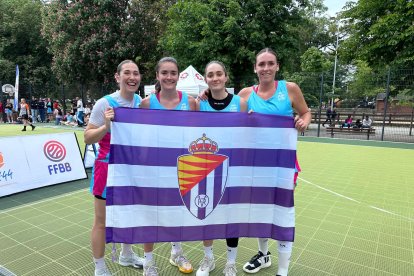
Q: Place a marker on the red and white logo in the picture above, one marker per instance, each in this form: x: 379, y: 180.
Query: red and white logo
x: 54, y: 151
x: 1, y: 160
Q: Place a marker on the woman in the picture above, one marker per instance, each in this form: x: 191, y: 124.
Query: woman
x: 277, y: 98
x: 97, y: 131
x: 24, y: 114
x: 9, y: 112
x: 49, y: 107
x: 219, y: 100
x: 167, y: 97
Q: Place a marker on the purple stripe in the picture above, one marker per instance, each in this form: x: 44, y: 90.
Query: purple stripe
x: 196, y: 233
x: 201, y: 119
x: 202, y: 188
x: 218, y: 183
x: 186, y: 199
x: 127, y: 195
x: 149, y: 156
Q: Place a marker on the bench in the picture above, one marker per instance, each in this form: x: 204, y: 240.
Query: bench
x: 356, y: 131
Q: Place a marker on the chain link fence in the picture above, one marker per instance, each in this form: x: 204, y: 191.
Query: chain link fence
x: 387, y: 98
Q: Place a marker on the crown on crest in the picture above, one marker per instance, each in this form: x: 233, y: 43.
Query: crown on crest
x: 203, y: 145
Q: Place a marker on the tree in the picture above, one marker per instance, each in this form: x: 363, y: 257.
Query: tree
x: 87, y: 38
x: 380, y: 32
x: 232, y: 31
x: 22, y: 44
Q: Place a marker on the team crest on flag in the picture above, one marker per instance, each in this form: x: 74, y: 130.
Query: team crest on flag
x: 202, y: 176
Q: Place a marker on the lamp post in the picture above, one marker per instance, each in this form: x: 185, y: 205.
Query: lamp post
x: 336, y: 60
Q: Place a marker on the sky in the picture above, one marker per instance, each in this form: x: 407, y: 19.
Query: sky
x: 334, y: 6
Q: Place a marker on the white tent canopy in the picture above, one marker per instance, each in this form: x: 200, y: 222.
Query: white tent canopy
x: 190, y: 81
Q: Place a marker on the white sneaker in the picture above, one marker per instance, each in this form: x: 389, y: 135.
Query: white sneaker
x: 180, y: 260
x: 206, y: 265
x: 103, y: 272
x: 133, y: 260
x: 230, y: 270
x: 150, y: 269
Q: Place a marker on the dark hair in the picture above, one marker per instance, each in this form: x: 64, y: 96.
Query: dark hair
x: 119, y: 68
x: 266, y: 50
x: 216, y: 62
x: 163, y: 60
x: 157, y: 87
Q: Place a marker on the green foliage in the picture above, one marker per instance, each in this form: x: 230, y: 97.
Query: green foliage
x: 380, y: 32
x: 314, y: 60
x: 21, y: 42
x: 233, y: 32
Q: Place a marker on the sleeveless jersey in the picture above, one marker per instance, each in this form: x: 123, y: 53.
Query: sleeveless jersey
x: 100, y: 167
x: 182, y: 105
x: 278, y: 104
x: 234, y: 106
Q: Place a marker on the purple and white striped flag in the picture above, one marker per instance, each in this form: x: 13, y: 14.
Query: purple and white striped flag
x: 187, y: 176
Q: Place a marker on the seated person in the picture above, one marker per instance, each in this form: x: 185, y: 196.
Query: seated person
x: 358, y: 124
x: 348, y: 122
x: 367, y: 122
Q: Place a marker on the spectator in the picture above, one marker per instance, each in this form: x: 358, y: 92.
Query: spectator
x: 9, y: 111
x: 358, y: 124
x: 87, y: 110
x: 333, y: 116
x: 367, y: 122
x: 58, y: 115
x: 49, y: 107
x: 34, y: 109
x: 1, y: 112
x: 24, y: 114
x: 328, y: 117
x: 79, y: 113
x: 42, y: 111
x: 348, y: 122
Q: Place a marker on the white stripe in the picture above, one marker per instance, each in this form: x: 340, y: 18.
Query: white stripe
x: 175, y: 216
x: 153, y: 176
x: 181, y: 137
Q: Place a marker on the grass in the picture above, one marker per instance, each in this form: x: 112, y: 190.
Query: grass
x: 354, y: 216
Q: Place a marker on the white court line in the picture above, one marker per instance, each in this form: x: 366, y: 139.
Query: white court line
x: 41, y: 201
x: 329, y: 191
x: 351, y: 199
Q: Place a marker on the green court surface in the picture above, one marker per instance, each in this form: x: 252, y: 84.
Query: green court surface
x: 354, y: 216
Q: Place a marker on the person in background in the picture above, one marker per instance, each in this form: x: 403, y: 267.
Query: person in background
x: 2, y: 112
x: 41, y: 106
x: 34, y: 109
x: 328, y: 117
x: 79, y: 113
x: 9, y: 111
x: 58, y: 115
x: 24, y: 114
x: 348, y: 122
x: 367, y: 122
x: 49, y: 110
x: 98, y: 131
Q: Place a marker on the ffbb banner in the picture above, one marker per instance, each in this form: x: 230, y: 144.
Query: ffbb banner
x: 184, y: 176
x: 28, y: 162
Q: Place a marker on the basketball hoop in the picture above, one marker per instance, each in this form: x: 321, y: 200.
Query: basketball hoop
x: 8, y: 89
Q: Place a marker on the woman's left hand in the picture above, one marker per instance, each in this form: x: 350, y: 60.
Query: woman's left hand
x: 300, y: 124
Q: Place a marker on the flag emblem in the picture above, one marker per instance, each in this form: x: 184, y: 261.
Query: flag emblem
x: 202, y: 177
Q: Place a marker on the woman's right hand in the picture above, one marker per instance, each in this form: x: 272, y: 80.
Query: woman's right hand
x: 109, y: 116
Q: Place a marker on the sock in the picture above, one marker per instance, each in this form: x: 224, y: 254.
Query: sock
x: 99, y: 263
x: 126, y: 250
x: 231, y: 255
x: 208, y: 252
x: 285, y: 252
x: 263, y: 245
x: 147, y: 257
x: 176, y: 247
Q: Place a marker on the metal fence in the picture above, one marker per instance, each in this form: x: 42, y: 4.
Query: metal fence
x: 386, y: 97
